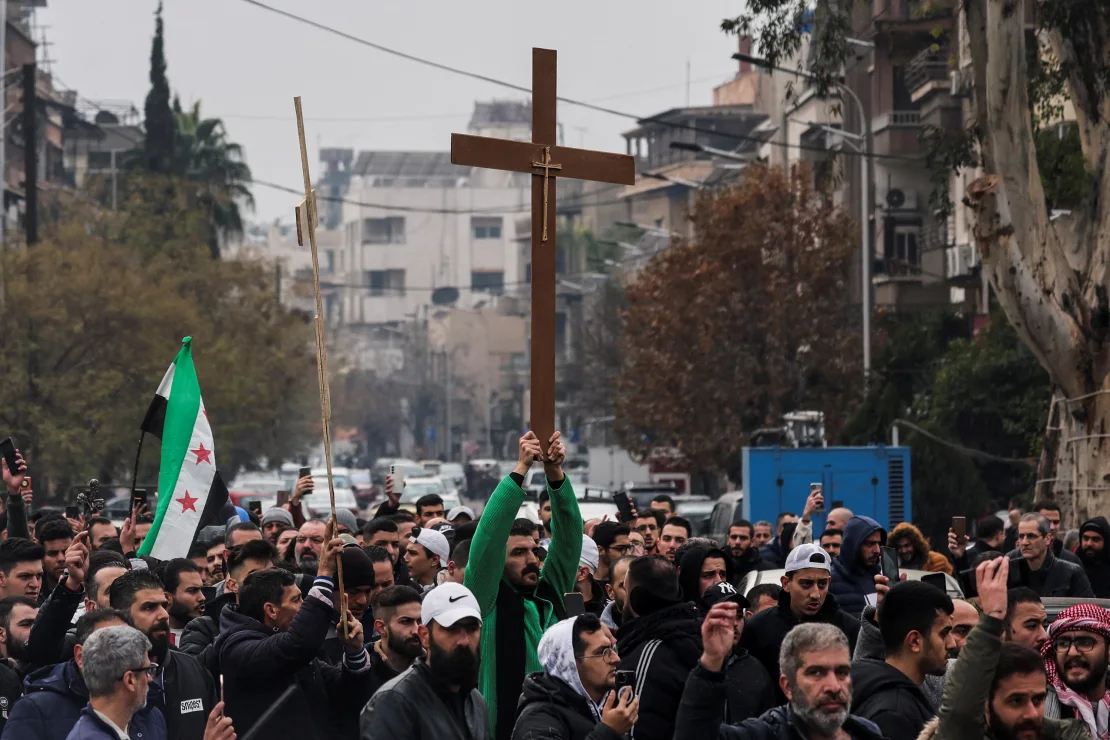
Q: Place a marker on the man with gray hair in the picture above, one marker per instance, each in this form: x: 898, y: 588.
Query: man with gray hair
x: 1040, y: 569
x: 816, y: 679
x: 117, y: 671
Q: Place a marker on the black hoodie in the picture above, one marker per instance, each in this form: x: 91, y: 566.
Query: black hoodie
x: 887, y: 697
x: 1098, y: 566
x: 689, y: 572
x: 746, y: 563
x: 662, y: 648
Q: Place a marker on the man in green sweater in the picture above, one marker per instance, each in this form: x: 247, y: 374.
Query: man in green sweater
x: 518, y: 602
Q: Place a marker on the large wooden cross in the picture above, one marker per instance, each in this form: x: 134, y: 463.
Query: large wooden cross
x: 545, y: 160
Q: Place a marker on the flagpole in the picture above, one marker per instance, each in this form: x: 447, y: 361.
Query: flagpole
x: 135, y: 475
x: 321, y: 348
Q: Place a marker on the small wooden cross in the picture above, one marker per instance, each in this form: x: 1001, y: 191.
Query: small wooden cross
x: 536, y: 159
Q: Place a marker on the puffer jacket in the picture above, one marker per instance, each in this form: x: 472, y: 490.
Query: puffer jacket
x: 90, y: 726
x: 55, y: 697
x: 702, y: 709
x: 961, y: 714
x: 764, y: 632
x: 852, y: 581
x: 662, y: 648
x: 552, y: 710
x: 416, y: 706
x: 923, y: 557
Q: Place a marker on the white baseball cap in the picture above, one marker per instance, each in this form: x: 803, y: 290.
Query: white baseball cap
x: 590, y: 556
x: 808, y: 556
x: 447, y: 603
x: 436, y: 542
x: 454, y: 513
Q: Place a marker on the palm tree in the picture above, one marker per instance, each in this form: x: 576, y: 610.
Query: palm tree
x: 205, y: 158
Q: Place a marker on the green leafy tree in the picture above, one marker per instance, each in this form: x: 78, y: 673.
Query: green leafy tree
x: 750, y: 319
x: 95, y: 313
x: 161, y: 128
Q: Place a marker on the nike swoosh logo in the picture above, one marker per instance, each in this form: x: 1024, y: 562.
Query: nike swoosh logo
x: 453, y: 600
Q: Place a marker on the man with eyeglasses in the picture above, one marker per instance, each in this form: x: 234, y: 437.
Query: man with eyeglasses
x: 118, y: 673
x: 575, y: 696
x: 1075, y: 660
x: 1042, y: 571
x: 612, y: 543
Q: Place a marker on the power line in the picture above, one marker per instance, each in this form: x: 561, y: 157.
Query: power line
x: 580, y: 103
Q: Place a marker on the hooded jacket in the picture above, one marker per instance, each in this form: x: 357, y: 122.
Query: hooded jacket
x: 700, y: 716
x: 55, y: 696
x: 1098, y: 567
x: 554, y: 704
x: 662, y: 648
x: 259, y: 664
x: 764, y: 632
x: 852, y: 581
x: 887, y: 697
x: 611, y: 617
x: 689, y: 572
x: 923, y: 557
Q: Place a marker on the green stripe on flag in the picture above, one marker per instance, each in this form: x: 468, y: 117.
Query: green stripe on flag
x: 182, y: 408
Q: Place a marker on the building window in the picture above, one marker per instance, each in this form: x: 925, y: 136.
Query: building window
x: 100, y: 161
x: 487, y: 281
x: 383, y: 230
x: 385, y: 282
x: 485, y: 227
x: 906, y: 253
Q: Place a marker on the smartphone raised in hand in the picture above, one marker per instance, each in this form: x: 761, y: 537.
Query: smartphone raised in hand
x: 7, y: 450
x: 959, y: 527
x: 255, y: 507
x: 626, y: 679
x: 624, y: 506
x: 818, y: 488
x: 889, y: 562
x: 72, y: 512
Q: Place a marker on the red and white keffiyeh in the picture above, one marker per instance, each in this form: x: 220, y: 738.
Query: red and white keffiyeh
x: 1088, y: 618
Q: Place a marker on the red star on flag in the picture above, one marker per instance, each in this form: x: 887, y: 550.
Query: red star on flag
x: 203, y: 455
x: 188, y: 503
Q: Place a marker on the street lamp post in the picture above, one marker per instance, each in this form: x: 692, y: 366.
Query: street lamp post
x: 865, y: 215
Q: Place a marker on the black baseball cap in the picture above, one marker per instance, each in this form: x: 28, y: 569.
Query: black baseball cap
x: 724, y: 591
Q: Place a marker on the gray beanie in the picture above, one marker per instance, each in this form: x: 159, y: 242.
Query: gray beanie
x: 277, y: 514
x: 346, y: 519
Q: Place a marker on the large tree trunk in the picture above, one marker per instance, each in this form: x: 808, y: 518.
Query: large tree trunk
x: 1050, y: 276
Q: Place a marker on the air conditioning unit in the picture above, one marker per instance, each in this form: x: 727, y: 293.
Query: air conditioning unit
x: 901, y: 200
x: 962, y: 259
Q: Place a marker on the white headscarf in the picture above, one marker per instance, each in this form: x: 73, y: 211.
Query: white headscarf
x: 556, y: 653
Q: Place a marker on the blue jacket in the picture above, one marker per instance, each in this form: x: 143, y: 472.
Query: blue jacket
x: 55, y: 696
x: 144, y: 726
x: 852, y: 580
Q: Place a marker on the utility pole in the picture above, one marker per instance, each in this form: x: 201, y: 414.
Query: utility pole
x: 30, y: 154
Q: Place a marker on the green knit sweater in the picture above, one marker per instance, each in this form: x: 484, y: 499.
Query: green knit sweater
x: 486, y: 565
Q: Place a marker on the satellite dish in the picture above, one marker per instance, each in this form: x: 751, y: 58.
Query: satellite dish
x: 446, y: 296
x: 895, y: 198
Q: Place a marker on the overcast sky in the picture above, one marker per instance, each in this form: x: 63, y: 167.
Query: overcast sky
x: 245, y: 64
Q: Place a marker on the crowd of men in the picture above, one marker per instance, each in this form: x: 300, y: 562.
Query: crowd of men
x: 450, y: 625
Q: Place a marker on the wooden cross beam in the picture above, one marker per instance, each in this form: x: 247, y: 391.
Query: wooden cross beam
x: 545, y: 160
x: 306, y: 223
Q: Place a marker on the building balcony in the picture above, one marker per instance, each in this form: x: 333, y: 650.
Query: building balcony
x: 927, y: 71
x: 911, y: 15
x: 896, y: 133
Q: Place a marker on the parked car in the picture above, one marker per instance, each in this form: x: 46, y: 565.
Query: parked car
x: 757, y: 577
x: 453, y: 476
x: 1053, y: 605
x: 729, y: 508
x: 535, y: 483
x: 431, y: 467
x: 244, y: 489
x: 697, y: 510
x: 415, y: 488
x: 118, y: 509
x: 642, y: 493
x: 593, y: 503
x: 318, y: 504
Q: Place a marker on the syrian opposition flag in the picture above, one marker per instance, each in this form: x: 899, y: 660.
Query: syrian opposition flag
x: 190, y: 491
